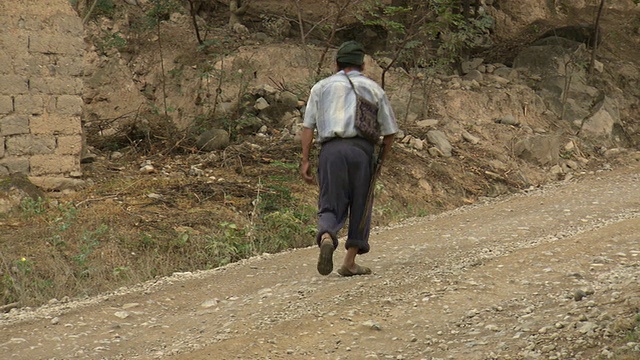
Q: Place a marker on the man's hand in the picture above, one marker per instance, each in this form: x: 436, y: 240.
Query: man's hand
x: 305, y: 171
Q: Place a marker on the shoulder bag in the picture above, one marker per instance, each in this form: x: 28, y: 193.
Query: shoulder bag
x: 366, y: 118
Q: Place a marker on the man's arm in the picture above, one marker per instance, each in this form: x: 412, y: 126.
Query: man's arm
x: 388, y: 125
x: 305, y: 168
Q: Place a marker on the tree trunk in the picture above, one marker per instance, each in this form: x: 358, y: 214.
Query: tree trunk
x: 237, y: 8
x: 465, y: 10
x: 596, y: 36
x: 193, y: 12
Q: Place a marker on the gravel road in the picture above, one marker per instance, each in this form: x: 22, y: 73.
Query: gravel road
x: 549, y: 273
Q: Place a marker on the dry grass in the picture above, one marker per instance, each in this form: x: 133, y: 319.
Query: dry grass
x: 127, y: 227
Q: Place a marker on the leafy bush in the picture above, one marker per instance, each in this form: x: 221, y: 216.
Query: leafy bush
x: 110, y: 41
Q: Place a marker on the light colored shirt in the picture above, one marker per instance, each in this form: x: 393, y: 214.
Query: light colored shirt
x: 332, y: 106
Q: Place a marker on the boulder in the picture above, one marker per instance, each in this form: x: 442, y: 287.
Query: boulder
x: 471, y: 65
x: 581, y: 33
x: 602, y: 121
x: 439, y: 140
x: 579, y: 99
x: 473, y: 75
x: 539, y: 149
x: 547, y: 60
x: 287, y: 99
x: 214, y: 139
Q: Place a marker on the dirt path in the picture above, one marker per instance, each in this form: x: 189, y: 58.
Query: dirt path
x: 550, y: 274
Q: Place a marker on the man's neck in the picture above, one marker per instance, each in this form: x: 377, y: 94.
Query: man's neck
x: 350, y: 69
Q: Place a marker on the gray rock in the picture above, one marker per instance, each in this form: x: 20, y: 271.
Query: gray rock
x: 417, y: 144
x: 287, y: 99
x: 261, y: 37
x: 470, y: 138
x: 473, y: 75
x: 435, y: 152
x: 87, y: 157
x: 471, y: 65
x: 539, y: 149
x: 556, y: 172
x: 147, y: 169
x: 506, y: 72
x: 508, y: 120
x: 249, y: 124
x: 261, y: 104
x: 210, y: 303
x: 498, y: 165
x: 224, y: 108
x: 587, y: 327
x: 427, y: 123
x: 265, y: 91
x: 289, y: 119
x: 57, y: 183
x: 122, y: 314
x: 440, y: 141
x: 609, y: 153
x: 240, y: 29
x: 579, y: 98
x: 214, y: 139
x: 497, y: 80
x: 372, y: 325
x: 598, y: 66
x: 547, y: 60
x: 601, y: 123
x: 424, y: 184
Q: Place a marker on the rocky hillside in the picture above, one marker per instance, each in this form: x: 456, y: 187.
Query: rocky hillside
x: 522, y: 111
x: 524, y: 102
x: 192, y: 151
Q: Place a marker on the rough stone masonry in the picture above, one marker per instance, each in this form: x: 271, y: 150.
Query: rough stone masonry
x: 41, y: 68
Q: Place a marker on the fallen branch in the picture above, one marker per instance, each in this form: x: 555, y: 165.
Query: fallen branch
x: 8, y: 307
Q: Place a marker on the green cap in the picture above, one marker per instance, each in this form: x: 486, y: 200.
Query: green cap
x: 351, y: 52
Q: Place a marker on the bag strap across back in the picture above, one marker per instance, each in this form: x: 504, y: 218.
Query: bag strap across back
x: 351, y: 82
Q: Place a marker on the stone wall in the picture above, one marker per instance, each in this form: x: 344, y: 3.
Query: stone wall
x: 41, y: 68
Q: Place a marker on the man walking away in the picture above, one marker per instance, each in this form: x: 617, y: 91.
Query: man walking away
x: 346, y: 160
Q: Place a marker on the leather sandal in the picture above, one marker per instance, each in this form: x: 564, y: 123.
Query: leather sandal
x: 359, y: 270
x: 325, y: 259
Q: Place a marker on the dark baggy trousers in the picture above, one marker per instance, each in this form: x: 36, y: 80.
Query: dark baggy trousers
x: 344, y: 171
